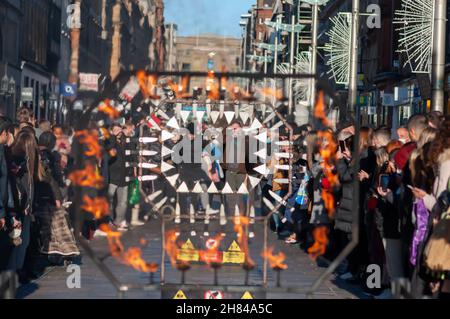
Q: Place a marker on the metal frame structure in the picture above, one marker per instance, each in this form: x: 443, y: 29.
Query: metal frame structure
x: 121, y: 287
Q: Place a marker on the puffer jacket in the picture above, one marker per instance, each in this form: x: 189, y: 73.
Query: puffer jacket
x: 344, y: 215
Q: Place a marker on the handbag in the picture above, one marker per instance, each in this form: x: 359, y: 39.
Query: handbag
x: 436, y: 254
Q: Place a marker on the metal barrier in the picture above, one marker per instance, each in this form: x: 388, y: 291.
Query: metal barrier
x: 79, y: 191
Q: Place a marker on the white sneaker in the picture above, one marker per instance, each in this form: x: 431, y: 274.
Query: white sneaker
x: 211, y: 211
x: 122, y: 227
x: 193, y: 233
x: 206, y: 234
x: 100, y: 233
x: 137, y: 223
x: 251, y: 234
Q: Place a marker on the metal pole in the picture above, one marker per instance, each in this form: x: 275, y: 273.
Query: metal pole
x: 438, y: 63
x: 315, y: 26
x: 291, y: 62
x: 275, y: 60
x: 353, y: 78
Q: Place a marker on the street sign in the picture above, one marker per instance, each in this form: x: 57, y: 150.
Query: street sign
x: 188, y: 252
x: 68, y: 90
x: 388, y: 99
x: 180, y: 295
x: 89, y: 82
x: 27, y: 94
x: 234, y: 254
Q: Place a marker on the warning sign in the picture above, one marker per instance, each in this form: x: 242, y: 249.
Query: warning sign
x: 213, y: 294
x: 234, y: 254
x: 179, y: 295
x: 188, y: 252
x: 247, y: 295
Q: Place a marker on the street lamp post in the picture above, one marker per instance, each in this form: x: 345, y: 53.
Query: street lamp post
x: 438, y: 57
x: 353, y: 81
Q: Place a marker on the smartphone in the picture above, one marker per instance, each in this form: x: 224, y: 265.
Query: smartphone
x: 342, y: 146
x: 384, y: 182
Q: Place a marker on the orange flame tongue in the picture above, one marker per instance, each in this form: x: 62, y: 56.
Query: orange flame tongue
x: 87, y: 177
x: 239, y: 226
x: 321, y: 241
x: 108, y: 109
x: 99, y: 207
x: 91, y: 141
x: 275, y: 261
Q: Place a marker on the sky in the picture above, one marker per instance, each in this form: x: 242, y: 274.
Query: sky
x: 219, y: 17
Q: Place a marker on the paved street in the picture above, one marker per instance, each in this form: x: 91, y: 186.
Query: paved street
x: 301, y: 272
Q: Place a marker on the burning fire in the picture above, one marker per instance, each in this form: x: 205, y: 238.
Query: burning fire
x: 240, y: 222
x: 270, y: 92
x: 87, y: 177
x: 171, y: 247
x: 108, y: 109
x: 275, y: 261
x: 319, y: 247
x: 327, y: 150
x: 90, y: 140
x: 99, y: 206
x: 147, y: 84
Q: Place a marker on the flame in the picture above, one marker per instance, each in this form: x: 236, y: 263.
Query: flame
x: 319, y: 247
x: 270, y: 92
x: 275, y: 261
x: 171, y: 247
x: 87, y: 177
x: 240, y: 222
x: 147, y: 84
x: 108, y: 109
x: 90, y: 140
x: 99, y: 206
x: 327, y: 150
x: 319, y: 110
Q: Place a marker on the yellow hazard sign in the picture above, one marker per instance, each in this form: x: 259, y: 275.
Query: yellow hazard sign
x: 234, y: 246
x: 234, y: 254
x: 188, y: 252
x: 180, y: 295
x: 247, y: 295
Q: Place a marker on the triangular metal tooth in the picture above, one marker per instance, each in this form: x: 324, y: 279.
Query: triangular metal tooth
x: 173, y: 123
x: 261, y: 153
x: 165, y: 151
x: 185, y: 116
x: 161, y: 203
x: 215, y: 116
x: 154, y: 195
x: 229, y: 115
x: 270, y: 117
x: 200, y: 115
x: 163, y: 114
x: 262, y: 137
x: 244, y: 117
x: 227, y: 189
x: 165, y: 135
x: 281, y: 180
x: 254, y: 181
x: 262, y: 169
x: 197, y: 188
x: 173, y: 179
x: 212, y: 189
x: 183, y: 188
x: 255, y: 125
x: 165, y: 167
x: 242, y: 189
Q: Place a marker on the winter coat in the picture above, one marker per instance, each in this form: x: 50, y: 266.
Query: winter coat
x: 440, y: 183
x: 3, y: 182
x: 344, y: 215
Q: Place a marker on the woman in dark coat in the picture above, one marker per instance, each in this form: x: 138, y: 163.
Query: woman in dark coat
x: 24, y: 171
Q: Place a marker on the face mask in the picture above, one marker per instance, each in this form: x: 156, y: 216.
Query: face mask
x: 403, y: 141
